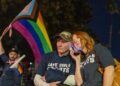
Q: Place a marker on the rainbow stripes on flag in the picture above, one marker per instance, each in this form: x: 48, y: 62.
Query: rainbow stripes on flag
x: 30, y: 25
x: 20, y: 69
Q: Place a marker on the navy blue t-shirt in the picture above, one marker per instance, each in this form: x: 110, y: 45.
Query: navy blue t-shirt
x: 54, y: 67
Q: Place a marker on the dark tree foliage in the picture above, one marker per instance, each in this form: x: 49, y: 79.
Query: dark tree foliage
x: 65, y: 14
x: 58, y: 15
x: 8, y: 11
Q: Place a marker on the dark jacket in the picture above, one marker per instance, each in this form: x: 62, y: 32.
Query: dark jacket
x: 9, y: 77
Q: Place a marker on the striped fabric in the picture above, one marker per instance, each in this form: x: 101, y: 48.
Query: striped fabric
x: 30, y: 25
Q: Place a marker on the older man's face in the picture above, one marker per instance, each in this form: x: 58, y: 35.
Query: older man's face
x: 13, y: 56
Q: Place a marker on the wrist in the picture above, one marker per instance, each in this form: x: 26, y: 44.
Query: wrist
x: 77, y: 62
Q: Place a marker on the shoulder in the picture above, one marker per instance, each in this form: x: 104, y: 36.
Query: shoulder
x: 49, y: 55
x: 99, y: 46
x: 104, y: 55
x: 4, y: 57
x: 100, y: 49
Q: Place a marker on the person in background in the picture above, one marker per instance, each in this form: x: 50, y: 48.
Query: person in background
x: 11, y: 75
x: 57, y: 67
x: 89, y: 58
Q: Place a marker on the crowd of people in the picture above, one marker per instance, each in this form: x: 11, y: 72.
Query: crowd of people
x: 75, y: 62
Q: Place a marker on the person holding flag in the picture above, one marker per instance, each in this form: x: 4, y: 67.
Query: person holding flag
x: 12, y: 71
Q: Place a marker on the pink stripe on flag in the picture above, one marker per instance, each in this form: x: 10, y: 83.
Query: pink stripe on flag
x: 26, y: 34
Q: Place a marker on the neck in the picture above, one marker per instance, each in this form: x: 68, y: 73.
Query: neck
x: 63, y: 54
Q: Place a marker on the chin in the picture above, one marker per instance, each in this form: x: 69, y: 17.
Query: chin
x: 12, y: 59
x: 60, y: 51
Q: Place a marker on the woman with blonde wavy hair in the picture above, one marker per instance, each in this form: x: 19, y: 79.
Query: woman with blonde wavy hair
x: 86, y: 70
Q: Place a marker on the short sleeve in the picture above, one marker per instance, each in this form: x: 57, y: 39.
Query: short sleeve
x: 42, y: 66
x: 104, y: 55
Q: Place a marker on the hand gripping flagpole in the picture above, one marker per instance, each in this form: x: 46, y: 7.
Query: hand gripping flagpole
x: 18, y: 61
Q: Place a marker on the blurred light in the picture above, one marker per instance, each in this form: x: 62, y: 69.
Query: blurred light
x: 31, y: 63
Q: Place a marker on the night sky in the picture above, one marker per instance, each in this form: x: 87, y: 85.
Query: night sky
x: 101, y: 22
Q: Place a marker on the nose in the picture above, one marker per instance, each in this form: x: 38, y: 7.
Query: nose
x: 59, y: 44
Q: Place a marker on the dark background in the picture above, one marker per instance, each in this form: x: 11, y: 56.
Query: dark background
x: 102, y: 16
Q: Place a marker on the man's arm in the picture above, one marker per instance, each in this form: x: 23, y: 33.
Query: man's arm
x: 38, y: 81
x: 1, y: 48
x: 108, y: 76
x: 3, y: 56
x: 70, y: 80
x: 107, y: 62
